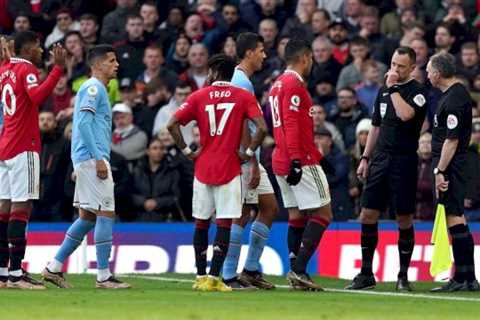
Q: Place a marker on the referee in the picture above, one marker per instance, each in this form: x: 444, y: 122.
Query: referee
x: 452, y: 127
x: 389, y: 165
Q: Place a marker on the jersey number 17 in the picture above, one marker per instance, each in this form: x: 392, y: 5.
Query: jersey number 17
x: 212, y: 119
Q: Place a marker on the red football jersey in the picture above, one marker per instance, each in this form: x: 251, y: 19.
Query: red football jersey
x: 220, y: 110
x: 21, y: 95
x: 290, y: 104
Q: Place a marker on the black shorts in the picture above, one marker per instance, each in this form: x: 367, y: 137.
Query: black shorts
x: 453, y: 199
x: 392, y: 183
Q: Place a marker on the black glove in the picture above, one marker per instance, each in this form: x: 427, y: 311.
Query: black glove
x: 327, y: 167
x: 295, y: 174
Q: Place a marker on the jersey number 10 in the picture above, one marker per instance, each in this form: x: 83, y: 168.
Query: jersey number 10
x: 8, y: 90
x: 210, y: 109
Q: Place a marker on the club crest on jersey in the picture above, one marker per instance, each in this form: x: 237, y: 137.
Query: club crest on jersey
x: 452, y: 121
x: 92, y: 91
x: 383, y: 109
x: 295, y: 103
x: 419, y: 100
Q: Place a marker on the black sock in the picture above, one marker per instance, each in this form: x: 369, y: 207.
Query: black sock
x: 220, y: 249
x: 406, y: 243
x: 17, y: 242
x: 295, y: 234
x: 200, y: 244
x: 460, y: 238
x: 470, y: 257
x: 369, y: 240
x: 312, y: 235
x: 4, y: 241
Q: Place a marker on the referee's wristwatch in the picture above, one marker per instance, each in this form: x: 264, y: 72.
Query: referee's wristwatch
x: 437, y: 171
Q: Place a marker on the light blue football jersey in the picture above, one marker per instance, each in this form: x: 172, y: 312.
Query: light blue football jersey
x: 240, y: 79
x: 92, y: 123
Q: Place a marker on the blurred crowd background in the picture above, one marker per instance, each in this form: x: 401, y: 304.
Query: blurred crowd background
x: 163, y: 47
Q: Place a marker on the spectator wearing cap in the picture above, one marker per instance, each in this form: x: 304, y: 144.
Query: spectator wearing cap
x: 64, y: 24
x: 182, y: 91
x: 367, y: 90
x: 337, y: 177
x: 113, y: 25
x: 154, y: 67
x: 324, y: 64
x: 338, y: 34
x: 320, y: 23
x: 254, y: 12
x: 196, y: 74
x: 127, y: 139
x: 390, y: 24
x: 130, y: 51
x: 319, y: 116
x: 89, y: 29
x: 356, y: 152
x: 346, y: 115
x: 300, y: 23
x: 468, y: 62
x: 424, y: 199
x: 177, y: 58
x: 351, y: 74
x: 472, y: 197
x: 156, y: 190
x: 324, y: 93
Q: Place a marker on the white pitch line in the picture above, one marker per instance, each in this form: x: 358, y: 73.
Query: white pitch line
x: 375, y: 293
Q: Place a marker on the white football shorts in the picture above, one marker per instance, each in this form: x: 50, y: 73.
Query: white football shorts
x: 20, y: 177
x: 264, y: 187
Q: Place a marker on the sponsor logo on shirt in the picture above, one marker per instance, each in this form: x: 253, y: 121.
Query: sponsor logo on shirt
x: 383, y: 109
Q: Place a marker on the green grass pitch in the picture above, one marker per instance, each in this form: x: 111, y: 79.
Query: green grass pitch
x: 156, y: 297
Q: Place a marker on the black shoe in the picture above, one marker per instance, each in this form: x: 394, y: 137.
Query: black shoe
x: 362, y: 282
x: 403, y: 284
x: 256, y: 279
x: 472, y: 286
x: 238, y: 284
x: 451, y: 286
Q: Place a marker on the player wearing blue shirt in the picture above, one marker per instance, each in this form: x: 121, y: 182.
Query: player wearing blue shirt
x: 91, y: 139
x: 250, y: 50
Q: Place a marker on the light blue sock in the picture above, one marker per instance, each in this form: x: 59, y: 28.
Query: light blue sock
x: 258, y: 237
x: 231, y: 261
x: 103, y: 240
x: 73, y: 238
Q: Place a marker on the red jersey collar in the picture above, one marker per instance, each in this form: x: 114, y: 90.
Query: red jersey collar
x: 221, y: 83
x: 296, y: 74
x: 19, y: 60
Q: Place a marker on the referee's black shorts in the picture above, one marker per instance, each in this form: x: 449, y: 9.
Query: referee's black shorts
x: 454, y: 198
x: 391, y: 182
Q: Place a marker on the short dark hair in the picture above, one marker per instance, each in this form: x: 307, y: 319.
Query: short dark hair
x: 349, y: 89
x: 247, y: 41
x: 223, y: 66
x: 295, y: 49
x: 359, y: 41
x: 132, y: 16
x: 72, y: 32
x: 469, y: 46
x: 22, y: 39
x: 444, y: 63
x: 89, y: 16
x: 182, y: 84
x: 408, y: 51
x: 98, y: 52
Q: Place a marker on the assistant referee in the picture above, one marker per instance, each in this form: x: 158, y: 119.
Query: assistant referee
x: 452, y: 127
x: 389, y: 164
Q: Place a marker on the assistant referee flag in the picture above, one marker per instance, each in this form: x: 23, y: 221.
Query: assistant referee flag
x: 441, y: 257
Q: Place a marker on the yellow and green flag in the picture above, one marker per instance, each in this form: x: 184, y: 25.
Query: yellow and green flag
x: 441, y: 258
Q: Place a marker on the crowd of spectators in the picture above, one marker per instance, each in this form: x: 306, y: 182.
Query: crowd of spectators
x: 163, y: 47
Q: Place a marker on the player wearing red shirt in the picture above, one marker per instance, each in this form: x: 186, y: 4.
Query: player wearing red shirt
x: 21, y: 95
x: 296, y: 163
x: 220, y: 111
